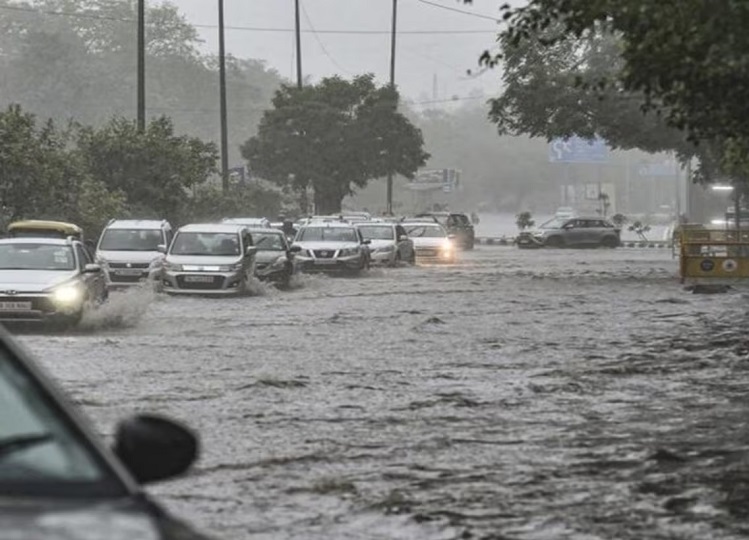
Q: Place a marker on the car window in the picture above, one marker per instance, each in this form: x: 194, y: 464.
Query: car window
x: 131, y: 240
x: 40, y: 452
x: 32, y: 256
x: 206, y: 244
x: 328, y: 234
x: 377, y: 232
x: 460, y: 219
x: 83, y: 257
x: 270, y: 241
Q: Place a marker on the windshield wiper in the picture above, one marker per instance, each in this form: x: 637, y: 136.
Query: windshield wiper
x: 11, y: 445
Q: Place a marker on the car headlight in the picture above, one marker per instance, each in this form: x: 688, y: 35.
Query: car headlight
x: 447, y: 246
x: 171, y: 267
x: 67, y: 294
x: 349, y: 252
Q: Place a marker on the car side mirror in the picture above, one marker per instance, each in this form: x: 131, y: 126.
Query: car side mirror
x: 154, y: 448
x: 91, y: 269
x: 161, y: 248
x: 295, y: 249
x: 250, y: 250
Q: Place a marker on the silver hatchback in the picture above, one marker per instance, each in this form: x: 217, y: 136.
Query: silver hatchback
x: 210, y: 259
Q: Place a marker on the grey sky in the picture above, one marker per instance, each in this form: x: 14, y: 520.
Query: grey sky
x: 420, y: 57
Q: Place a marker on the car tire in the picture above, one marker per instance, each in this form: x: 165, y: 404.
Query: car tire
x: 554, y: 242
x: 610, y: 242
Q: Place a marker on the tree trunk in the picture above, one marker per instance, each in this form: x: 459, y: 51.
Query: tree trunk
x: 328, y: 201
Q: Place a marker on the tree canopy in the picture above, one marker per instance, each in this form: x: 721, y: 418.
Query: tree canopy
x: 334, y: 136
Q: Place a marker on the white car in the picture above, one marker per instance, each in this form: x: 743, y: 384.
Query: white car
x: 332, y: 247
x: 431, y: 242
x: 210, y: 259
x: 389, y: 243
x: 249, y: 222
x: 128, y: 250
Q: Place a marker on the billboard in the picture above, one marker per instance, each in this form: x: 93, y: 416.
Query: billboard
x: 578, y: 150
x: 445, y: 180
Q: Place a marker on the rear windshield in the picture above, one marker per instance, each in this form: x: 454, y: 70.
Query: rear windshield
x: 327, y: 234
x: 131, y: 240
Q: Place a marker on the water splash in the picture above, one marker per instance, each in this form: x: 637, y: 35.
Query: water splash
x: 124, y: 309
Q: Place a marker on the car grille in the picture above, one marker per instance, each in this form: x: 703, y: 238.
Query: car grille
x: 129, y: 265
x: 217, y: 282
x: 114, y: 278
x: 324, y: 253
x: 428, y: 252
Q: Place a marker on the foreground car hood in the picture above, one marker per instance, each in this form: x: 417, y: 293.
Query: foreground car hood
x: 128, y: 256
x: 331, y: 246
x: 200, y: 260
x: 52, y: 520
x: 33, y: 280
x: 429, y: 242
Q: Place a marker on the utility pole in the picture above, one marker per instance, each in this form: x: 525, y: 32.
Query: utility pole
x: 222, y: 92
x: 141, y: 66
x: 298, y: 32
x: 389, y: 206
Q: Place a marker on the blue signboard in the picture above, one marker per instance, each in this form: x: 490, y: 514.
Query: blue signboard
x: 578, y: 150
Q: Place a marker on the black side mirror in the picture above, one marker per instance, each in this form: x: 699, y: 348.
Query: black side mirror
x: 154, y: 448
x: 295, y: 249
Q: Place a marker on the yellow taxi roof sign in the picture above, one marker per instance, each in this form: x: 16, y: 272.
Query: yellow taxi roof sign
x: 61, y: 227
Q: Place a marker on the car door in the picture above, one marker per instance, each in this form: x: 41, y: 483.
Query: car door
x: 574, y: 232
x: 248, y: 254
x: 94, y: 281
x: 405, y: 244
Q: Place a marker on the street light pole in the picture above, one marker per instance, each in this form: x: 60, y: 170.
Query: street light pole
x: 389, y: 205
x: 298, y: 32
x: 141, y: 65
x: 222, y: 93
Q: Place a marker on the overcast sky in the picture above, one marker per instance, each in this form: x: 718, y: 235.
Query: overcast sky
x: 435, y: 51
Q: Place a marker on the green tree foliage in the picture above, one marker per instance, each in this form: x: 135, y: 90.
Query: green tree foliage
x: 210, y: 203
x: 335, y: 136
x: 155, y: 169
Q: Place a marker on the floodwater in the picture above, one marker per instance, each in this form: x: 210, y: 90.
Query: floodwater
x: 515, y: 395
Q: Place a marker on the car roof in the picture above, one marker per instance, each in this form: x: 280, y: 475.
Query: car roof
x: 137, y: 224
x: 245, y: 220
x: 212, y: 228
x: 329, y: 224
x: 423, y: 224
x: 377, y: 223
x: 37, y: 240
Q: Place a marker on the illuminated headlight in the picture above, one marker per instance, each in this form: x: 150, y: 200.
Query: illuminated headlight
x: 171, y: 267
x: 67, y: 294
x: 231, y: 267
x: 349, y: 252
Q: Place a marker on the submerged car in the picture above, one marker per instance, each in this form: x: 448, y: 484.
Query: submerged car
x: 128, y: 250
x: 209, y: 259
x: 332, y: 247
x: 48, y: 280
x: 431, y: 242
x: 578, y: 232
x: 275, y: 260
x: 389, y: 243
x: 59, y: 480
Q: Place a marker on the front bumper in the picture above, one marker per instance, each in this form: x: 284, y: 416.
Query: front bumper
x: 35, y: 307
x: 272, y: 273
x: 435, y: 255
x: 331, y: 265
x: 382, y: 257
x: 202, y: 283
x: 529, y: 241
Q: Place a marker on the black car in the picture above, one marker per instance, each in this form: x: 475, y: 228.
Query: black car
x: 57, y: 478
x: 457, y: 225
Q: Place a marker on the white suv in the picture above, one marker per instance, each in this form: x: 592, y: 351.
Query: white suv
x: 128, y: 250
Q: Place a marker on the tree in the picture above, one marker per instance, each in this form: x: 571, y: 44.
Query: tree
x: 155, y: 169
x: 524, y: 220
x: 334, y: 136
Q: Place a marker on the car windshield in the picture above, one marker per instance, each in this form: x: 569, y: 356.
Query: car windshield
x: 377, y: 233
x: 441, y: 218
x: 131, y: 240
x: 269, y: 241
x: 554, y: 223
x: 327, y: 234
x: 40, y: 453
x: 31, y: 256
x: 206, y: 244
x: 425, y: 231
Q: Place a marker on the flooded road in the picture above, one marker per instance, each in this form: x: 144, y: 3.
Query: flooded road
x: 516, y: 395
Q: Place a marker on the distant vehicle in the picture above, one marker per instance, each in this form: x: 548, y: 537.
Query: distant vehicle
x: 431, y: 242
x: 578, y: 232
x: 209, y: 259
x: 44, y: 229
x: 565, y: 212
x: 275, y: 260
x: 249, y: 222
x: 128, y: 250
x: 48, y: 280
x: 456, y: 224
x: 59, y: 480
x: 332, y: 247
x: 389, y: 243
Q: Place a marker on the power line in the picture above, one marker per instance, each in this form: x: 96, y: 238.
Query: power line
x: 319, y: 41
x: 456, y: 10
x: 245, y: 28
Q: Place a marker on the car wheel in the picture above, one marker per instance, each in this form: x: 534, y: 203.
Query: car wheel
x: 610, y: 242
x: 554, y: 242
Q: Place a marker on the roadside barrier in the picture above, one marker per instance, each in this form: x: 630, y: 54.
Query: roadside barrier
x: 639, y: 244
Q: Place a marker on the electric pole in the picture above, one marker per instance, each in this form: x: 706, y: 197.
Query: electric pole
x: 389, y: 205
x: 141, y: 65
x: 222, y: 93
x: 298, y: 32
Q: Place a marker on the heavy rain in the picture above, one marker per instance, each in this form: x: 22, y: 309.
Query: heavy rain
x: 409, y: 269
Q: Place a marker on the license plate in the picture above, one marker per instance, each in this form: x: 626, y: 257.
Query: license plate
x: 199, y: 279
x: 128, y: 272
x: 325, y: 261
x: 15, y: 306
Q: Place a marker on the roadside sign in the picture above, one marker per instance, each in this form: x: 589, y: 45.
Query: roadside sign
x: 237, y: 174
x: 446, y: 180
x: 578, y: 150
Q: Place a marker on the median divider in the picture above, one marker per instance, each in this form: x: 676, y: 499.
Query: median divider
x: 633, y: 244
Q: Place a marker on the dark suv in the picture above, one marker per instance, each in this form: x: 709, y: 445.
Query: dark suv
x: 457, y: 225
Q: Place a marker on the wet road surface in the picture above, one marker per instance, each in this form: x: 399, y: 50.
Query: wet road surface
x: 516, y: 395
